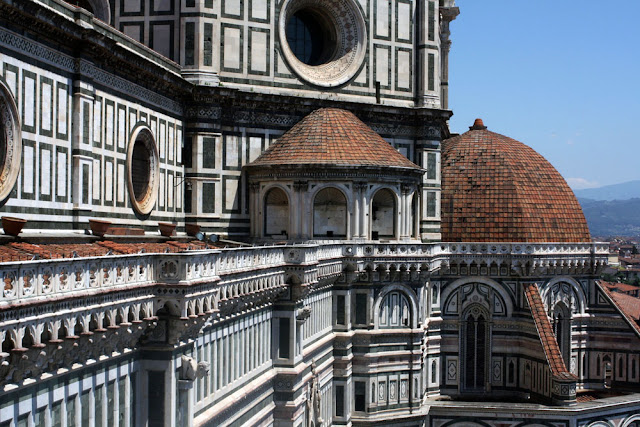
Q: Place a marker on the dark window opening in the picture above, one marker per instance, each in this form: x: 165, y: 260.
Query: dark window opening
x: 340, y: 307
x: 361, y: 309
x: 359, y: 393
x: 83, y: 4
x: 141, y: 170
x: 475, y: 352
x: 310, y: 37
x: 339, y: 401
x: 284, y: 338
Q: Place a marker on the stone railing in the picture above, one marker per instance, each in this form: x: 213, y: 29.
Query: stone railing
x: 45, y: 279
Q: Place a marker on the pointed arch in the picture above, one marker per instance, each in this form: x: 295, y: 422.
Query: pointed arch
x: 475, y: 348
x: 561, y: 318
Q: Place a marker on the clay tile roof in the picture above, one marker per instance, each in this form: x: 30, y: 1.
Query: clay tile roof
x: 627, y: 305
x: 545, y: 332
x: 23, y: 251
x: 331, y: 136
x: 496, y: 189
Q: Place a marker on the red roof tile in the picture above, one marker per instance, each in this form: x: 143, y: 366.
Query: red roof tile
x: 331, y: 136
x: 496, y: 189
x: 627, y: 305
x: 23, y: 251
x: 545, y: 333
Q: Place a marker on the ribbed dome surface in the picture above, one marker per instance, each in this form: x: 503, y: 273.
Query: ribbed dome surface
x: 331, y: 136
x: 496, y: 189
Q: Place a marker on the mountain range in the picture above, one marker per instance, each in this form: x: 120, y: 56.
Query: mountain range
x: 623, y: 191
x: 612, y: 210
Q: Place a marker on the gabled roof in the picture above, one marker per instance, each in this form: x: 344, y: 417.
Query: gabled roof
x: 626, y: 305
x: 496, y: 189
x: 545, y: 332
x: 333, y: 137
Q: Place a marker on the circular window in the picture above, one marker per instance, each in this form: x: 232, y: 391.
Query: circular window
x: 142, y: 166
x: 10, y: 143
x: 323, y: 41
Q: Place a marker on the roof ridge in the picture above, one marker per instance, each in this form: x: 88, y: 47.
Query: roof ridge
x: 545, y: 333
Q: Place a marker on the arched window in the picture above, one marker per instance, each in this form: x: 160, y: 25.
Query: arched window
x: 383, y: 215
x: 395, y: 311
x: 475, y: 348
x: 330, y: 214
x: 562, y: 329
x: 276, y: 213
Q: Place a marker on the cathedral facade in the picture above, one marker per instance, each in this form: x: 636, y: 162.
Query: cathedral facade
x: 340, y: 257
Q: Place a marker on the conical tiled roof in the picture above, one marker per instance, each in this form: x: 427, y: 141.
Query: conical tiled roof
x: 331, y: 136
x: 496, y: 189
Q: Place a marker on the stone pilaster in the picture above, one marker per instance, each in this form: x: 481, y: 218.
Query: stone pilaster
x: 199, y: 45
x: 447, y: 14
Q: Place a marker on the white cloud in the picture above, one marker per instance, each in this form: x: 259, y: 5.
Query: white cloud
x: 581, y: 183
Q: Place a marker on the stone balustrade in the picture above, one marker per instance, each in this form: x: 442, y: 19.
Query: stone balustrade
x: 41, y: 280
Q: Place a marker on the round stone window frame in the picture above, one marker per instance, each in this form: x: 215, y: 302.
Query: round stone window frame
x: 10, y: 168
x: 141, y: 134
x: 349, y: 25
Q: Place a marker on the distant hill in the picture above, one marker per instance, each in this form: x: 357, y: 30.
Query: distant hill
x: 623, y: 191
x: 612, y: 217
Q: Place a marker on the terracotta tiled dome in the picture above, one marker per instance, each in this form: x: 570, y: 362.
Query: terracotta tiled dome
x: 496, y: 189
x: 331, y: 136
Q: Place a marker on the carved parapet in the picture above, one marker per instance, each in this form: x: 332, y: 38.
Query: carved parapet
x: 23, y: 363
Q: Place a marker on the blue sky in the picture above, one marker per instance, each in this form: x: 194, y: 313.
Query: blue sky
x: 562, y: 76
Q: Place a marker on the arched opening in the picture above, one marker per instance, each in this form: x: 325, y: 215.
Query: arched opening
x: 93, y: 324
x: 330, y: 214
x: 475, y: 348
x: 562, y: 330
x: 45, y: 336
x: 395, y: 311
x: 276, y: 213
x: 27, y: 340
x: 7, y: 344
x: 77, y: 330
x: 383, y: 215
